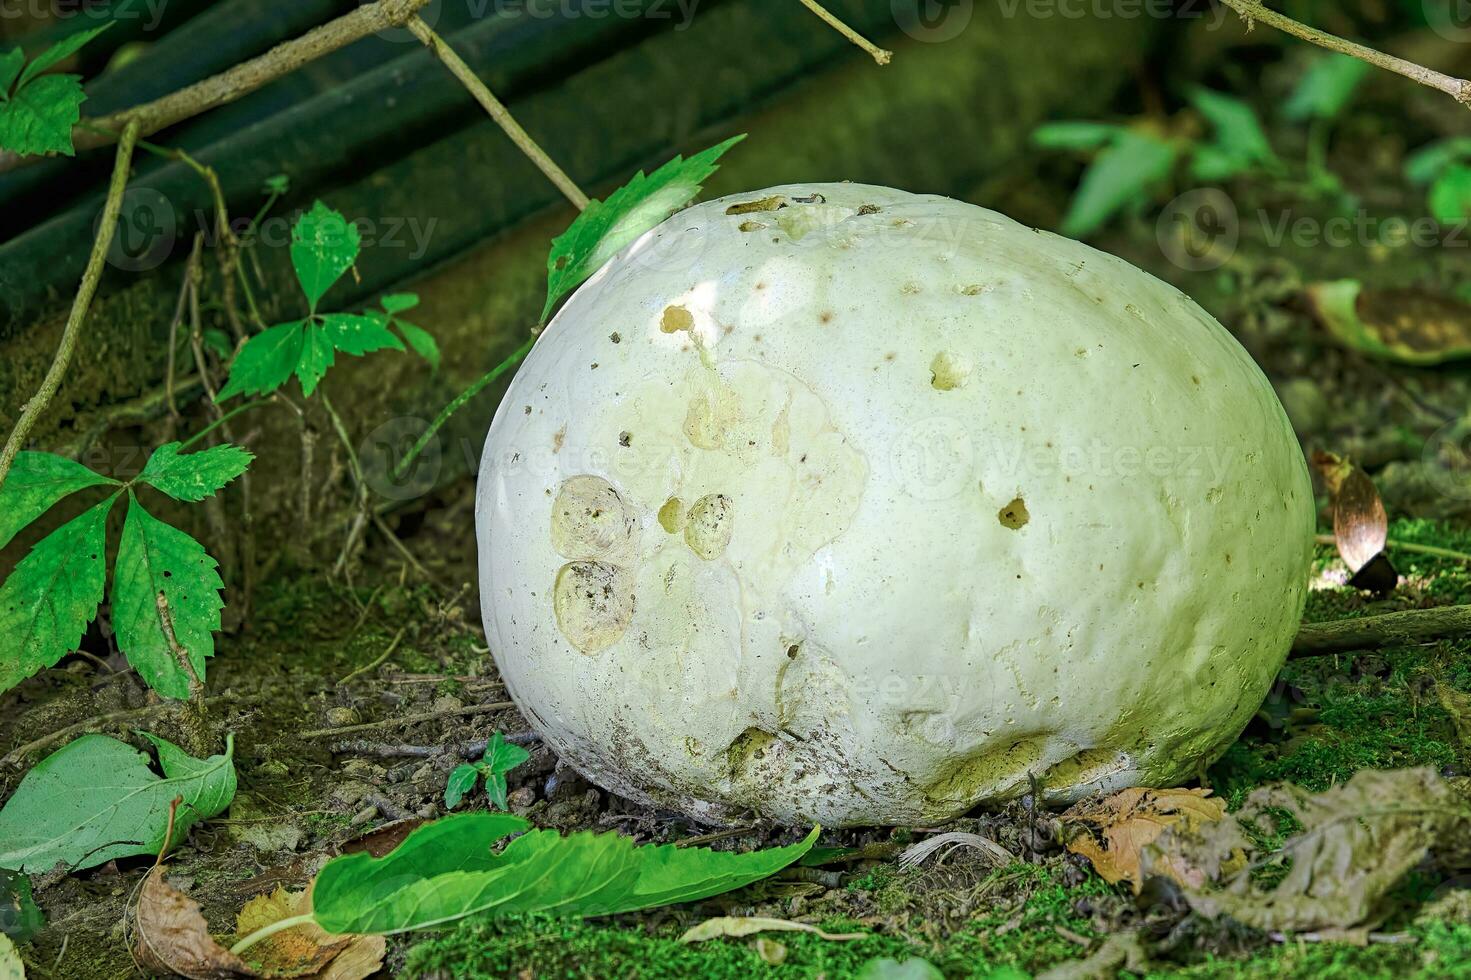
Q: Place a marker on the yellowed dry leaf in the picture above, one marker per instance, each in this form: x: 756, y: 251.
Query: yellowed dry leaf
x: 298, y: 952
x: 744, y: 925
x: 11, y: 967
x: 1113, y: 831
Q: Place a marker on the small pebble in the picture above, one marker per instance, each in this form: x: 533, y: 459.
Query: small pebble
x: 341, y: 717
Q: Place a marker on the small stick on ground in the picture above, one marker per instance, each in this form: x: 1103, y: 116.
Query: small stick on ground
x: 374, y: 726
x: 378, y: 660
x: 1388, y: 629
x: 878, y: 54
x: 15, y: 756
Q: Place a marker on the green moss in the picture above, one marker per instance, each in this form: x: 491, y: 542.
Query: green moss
x: 1440, y: 951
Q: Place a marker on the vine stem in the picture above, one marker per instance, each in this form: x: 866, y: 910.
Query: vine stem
x: 878, y: 54
x: 33, y: 408
x: 497, y: 110
x: 265, y: 932
x: 247, y: 406
x: 1253, y: 10
x: 514, y: 358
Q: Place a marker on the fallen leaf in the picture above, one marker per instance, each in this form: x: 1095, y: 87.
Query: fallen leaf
x: 1405, y: 326
x: 771, y: 951
x: 1353, y: 845
x: 11, y: 967
x: 172, y: 937
x: 1133, y: 818
x: 740, y: 925
x: 1360, y: 524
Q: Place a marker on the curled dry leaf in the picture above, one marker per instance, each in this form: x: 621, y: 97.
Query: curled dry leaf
x: 1360, y: 524
x: 1113, y: 831
x: 739, y: 925
x: 1354, y: 844
x: 171, y: 937
x: 1405, y: 326
x: 917, y: 854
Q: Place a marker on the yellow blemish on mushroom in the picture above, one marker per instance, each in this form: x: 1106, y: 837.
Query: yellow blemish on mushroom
x: 949, y: 370
x: 671, y: 515
x: 1014, y: 515
x: 771, y: 203
x: 593, y: 602
x: 590, y: 520
x: 709, y: 526
x: 675, y: 319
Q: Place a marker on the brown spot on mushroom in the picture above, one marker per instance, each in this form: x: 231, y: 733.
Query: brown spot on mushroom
x: 869, y: 209
x: 675, y: 319
x: 974, y: 289
x: 593, y: 602
x: 558, y: 438
x: 615, y: 337
x: 949, y: 370
x: 771, y: 203
x: 826, y: 316
x: 1014, y: 515
x: 751, y: 226
x: 625, y: 438
x: 709, y: 526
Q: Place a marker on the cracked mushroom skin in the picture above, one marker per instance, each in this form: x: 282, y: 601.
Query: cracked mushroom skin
x: 837, y: 503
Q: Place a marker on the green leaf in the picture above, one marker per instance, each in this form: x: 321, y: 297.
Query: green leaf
x: 1404, y: 326
x: 51, y: 596
x: 277, y: 184
x: 194, y: 476
x: 500, y: 758
x: 1325, y: 88
x: 165, y: 602
x: 462, y: 780
x: 1075, y: 135
x: 36, y: 482
x: 1426, y: 163
x: 358, y: 334
x: 1122, y: 174
x: 39, y: 116
x: 316, y: 358
x: 604, y: 227
x: 398, y: 302
x: 10, y: 65
x: 324, y: 245
x: 887, y: 968
x: 421, y: 340
x: 446, y: 870
x: 60, y: 51
x: 1237, y: 129
x: 95, y: 799
x: 1450, y: 195
x: 265, y: 362
x: 1211, y: 163
x: 20, y: 917
x: 217, y: 341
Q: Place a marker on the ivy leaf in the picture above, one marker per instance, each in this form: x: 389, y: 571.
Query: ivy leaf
x: 316, y: 358
x: 421, y: 341
x: 54, y: 592
x: 398, y: 302
x: 446, y: 870
x: 462, y: 780
x: 265, y: 362
x: 1120, y: 175
x: 194, y: 476
x: 95, y: 799
x: 358, y: 334
x: 500, y: 758
x: 165, y: 602
x: 60, y: 51
x: 604, y: 227
x: 324, y: 245
x: 38, y: 481
x: 38, y: 117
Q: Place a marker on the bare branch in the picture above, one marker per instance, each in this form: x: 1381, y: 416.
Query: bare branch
x: 875, y: 52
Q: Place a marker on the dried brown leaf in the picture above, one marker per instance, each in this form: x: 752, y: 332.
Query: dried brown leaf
x: 301, y: 951
x: 171, y: 937
x: 1360, y: 525
x: 1407, y: 326
x: 1117, y: 828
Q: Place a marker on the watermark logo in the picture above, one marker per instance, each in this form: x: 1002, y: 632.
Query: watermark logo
x: 932, y: 21
x: 1199, y: 230
x: 147, y: 229
x: 934, y: 458
x: 1451, y: 19
x: 385, y: 448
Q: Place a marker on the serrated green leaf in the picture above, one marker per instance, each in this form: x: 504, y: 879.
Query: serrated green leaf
x: 96, y: 799
x: 60, y: 51
x: 1450, y: 196
x: 1325, y: 88
x: 398, y: 302
x: 324, y: 245
x: 500, y: 758
x: 11, y: 63
x: 1121, y: 174
x: 165, y: 598
x: 36, y: 482
x: 265, y: 362
x: 604, y: 227
x: 421, y: 341
x: 462, y: 780
x: 358, y: 334
x: 192, y: 477
x: 317, y: 358
x: 39, y: 116
x: 20, y: 917
x: 1070, y: 135
x: 1238, y: 132
x: 446, y: 870
x: 51, y: 596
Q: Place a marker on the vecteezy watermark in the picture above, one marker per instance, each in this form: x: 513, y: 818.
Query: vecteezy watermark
x: 934, y: 21
x: 682, y: 12
x: 150, y: 12
x: 1451, y: 19
x: 147, y: 229
x: 1199, y: 230
x: 384, y: 449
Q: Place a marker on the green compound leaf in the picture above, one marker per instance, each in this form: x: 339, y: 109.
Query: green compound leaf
x: 1238, y: 132
x: 1121, y: 174
x: 421, y: 341
x: 462, y: 780
x: 500, y: 758
x: 446, y: 870
x: 38, y: 118
x: 358, y: 334
x: 36, y: 482
x: 604, y: 227
x: 165, y: 602
x: 194, y: 476
x: 265, y: 362
x: 324, y: 245
x: 47, y: 602
x: 10, y: 65
x: 96, y: 799
x: 316, y: 358
x: 398, y: 302
x: 60, y: 51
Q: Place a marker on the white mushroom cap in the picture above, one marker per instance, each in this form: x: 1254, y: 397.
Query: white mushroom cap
x: 834, y: 502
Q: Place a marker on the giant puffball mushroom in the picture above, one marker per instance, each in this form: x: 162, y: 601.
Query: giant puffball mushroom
x: 837, y: 503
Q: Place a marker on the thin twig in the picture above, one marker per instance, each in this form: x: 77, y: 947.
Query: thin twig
x: 378, y: 660
x: 1388, y: 629
x: 497, y: 110
x: 69, y: 335
x: 16, y: 755
x: 1252, y: 10
x: 233, y: 83
x: 372, y: 726
x: 875, y: 52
